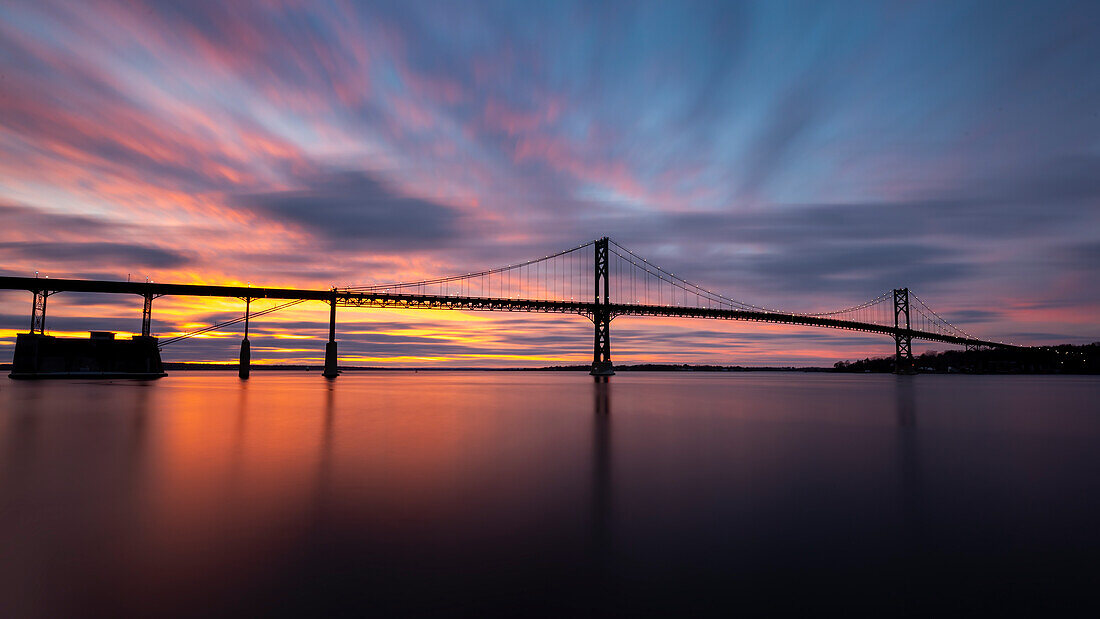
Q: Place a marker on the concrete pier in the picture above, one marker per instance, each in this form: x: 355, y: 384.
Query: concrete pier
x: 99, y: 356
x: 246, y: 359
x: 602, y: 368
x: 331, y: 371
x: 245, y: 367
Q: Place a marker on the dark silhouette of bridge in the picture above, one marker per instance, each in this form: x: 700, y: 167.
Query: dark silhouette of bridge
x: 599, y: 279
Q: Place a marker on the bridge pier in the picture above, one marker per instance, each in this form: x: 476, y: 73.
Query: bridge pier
x: 331, y: 370
x: 601, y: 315
x: 245, y: 367
x: 903, y: 337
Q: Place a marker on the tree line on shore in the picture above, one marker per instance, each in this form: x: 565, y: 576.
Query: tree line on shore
x: 1062, y: 359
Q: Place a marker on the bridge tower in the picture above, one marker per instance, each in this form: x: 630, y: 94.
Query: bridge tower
x: 601, y: 314
x: 903, y: 335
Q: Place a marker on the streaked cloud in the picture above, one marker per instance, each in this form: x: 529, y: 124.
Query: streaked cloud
x: 354, y: 210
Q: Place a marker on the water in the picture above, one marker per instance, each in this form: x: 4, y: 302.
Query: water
x: 547, y: 494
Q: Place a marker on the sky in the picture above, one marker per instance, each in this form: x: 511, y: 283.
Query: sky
x: 799, y: 155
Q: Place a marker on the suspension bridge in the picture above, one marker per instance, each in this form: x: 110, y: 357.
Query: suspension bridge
x: 599, y: 280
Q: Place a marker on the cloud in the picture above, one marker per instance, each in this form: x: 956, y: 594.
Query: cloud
x: 1078, y: 255
x: 792, y: 117
x: 70, y: 254
x: 972, y: 316
x: 70, y: 324
x: 1072, y: 179
x: 18, y: 219
x: 354, y: 211
x: 815, y: 268
x: 81, y: 246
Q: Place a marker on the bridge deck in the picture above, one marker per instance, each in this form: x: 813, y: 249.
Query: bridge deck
x: 427, y: 301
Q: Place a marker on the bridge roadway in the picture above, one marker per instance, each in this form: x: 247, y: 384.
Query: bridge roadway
x: 428, y: 301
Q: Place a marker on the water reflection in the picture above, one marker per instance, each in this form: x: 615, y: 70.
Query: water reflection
x: 601, y: 473
x: 70, y: 489
x: 909, y: 463
x: 401, y: 493
x: 325, y: 457
x: 239, y: 430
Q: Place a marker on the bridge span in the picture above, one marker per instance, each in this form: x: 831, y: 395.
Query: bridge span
x: 541, y: 285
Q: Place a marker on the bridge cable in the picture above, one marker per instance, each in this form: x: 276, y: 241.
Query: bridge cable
x: 464, y: 278
x: 227, y: 323
x: 689, y: 287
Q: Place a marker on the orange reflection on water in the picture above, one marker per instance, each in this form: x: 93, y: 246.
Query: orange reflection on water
x: 254, y: 463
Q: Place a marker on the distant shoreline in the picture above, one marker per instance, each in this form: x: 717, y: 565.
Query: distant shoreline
x: 556, y: 368
x: 1062, y: 359
x: 232, y: 367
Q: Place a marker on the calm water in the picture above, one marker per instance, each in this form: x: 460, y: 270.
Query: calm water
x: 540, y: 493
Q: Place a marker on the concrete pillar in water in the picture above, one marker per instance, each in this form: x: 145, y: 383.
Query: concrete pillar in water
x: 246, y: 359
x: 331, y: 370
x: 246, y: 350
